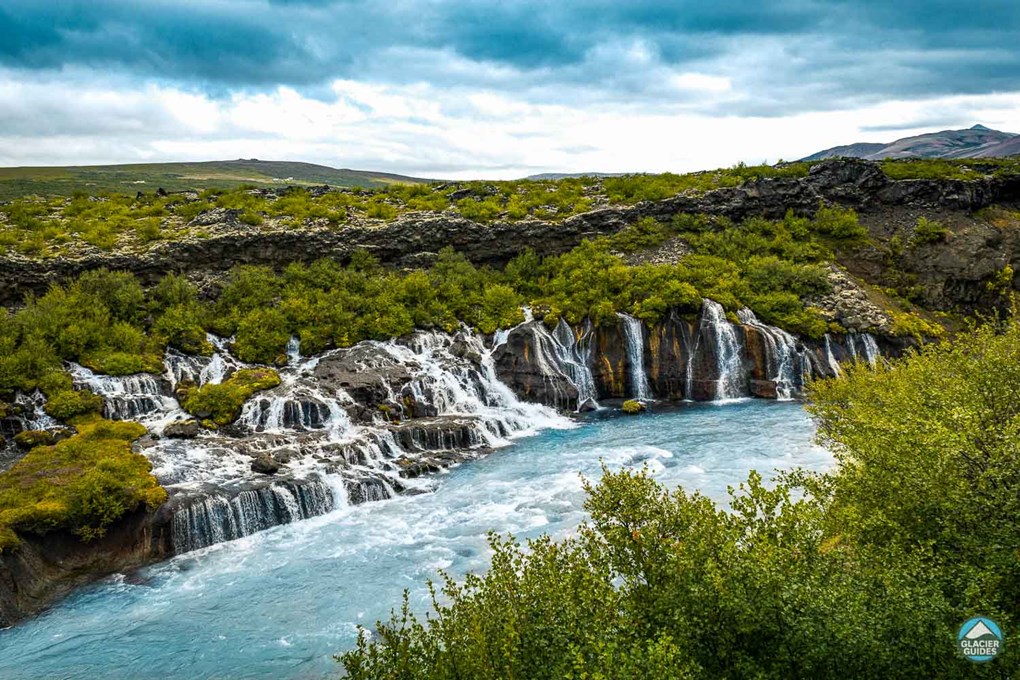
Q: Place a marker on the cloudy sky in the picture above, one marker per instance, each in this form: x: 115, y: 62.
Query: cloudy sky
x: 479, y: 88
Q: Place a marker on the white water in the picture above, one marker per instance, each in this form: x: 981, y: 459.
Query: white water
x: 787, y: 367
x: 562, y: 358
x: 634, y: 336
x: 830, y: 358
x: 862, y: 347
x: 730, y: 377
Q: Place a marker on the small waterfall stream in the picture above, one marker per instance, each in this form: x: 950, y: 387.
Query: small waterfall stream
x: 634, y: 336
x: 560, y: 356
x: 786, y: 366
x: 730, y: 378
x: 126, y: 397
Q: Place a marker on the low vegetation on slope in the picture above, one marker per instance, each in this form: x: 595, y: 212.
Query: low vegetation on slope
x: 867, y: 571
x: 45, y: 227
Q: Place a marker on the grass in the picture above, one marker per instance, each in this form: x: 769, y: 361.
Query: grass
x: 64, y: 181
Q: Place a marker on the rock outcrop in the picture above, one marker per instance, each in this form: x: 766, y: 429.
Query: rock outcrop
x: 45, y: 568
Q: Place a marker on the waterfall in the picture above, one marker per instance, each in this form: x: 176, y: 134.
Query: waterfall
x: 563, y: 359
x: 830, y: 359
x: 294, y: 351
x: 214, y: 519
x: 785, y: 365
x: 296, y: 407
x: 201, y: 370
x: 125, y: 397
x: 729, y: 367
x: 633, y: 332
x: 869, y: 348
x: 574, y: 355
x: 33, y: 406
x: 862, y: 347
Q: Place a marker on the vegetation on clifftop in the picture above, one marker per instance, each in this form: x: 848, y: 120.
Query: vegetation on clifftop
x: 81, y: 484
x: 107, y: 322
x: 866, y: 571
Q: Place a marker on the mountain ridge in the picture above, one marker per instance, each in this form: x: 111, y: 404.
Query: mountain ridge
x: 185, y: 175
x: 978, y: 141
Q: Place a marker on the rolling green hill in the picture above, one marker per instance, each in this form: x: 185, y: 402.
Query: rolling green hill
x: 95, y: 179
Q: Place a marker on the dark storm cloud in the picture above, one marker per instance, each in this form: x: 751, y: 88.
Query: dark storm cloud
x: 780, y: 56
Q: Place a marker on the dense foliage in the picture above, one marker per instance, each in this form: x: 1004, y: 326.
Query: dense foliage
x: 81, y: 484
x: 866, y: 571
x: 107, y: 322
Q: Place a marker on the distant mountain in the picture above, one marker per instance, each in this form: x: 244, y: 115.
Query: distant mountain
x: 62, y: 181
x: 566, y: 175
x: 975, y: 142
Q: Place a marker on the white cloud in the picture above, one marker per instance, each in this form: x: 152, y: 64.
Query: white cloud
x: 425, y: 130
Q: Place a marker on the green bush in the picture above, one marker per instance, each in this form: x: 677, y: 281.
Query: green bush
x: 929, y: 231
x: 70, y: 404
x: 221, y: 404
x: 632, y: 407
x: 838, y: 223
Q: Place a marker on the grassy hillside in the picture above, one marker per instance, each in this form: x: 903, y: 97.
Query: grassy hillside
x: 96, y: 179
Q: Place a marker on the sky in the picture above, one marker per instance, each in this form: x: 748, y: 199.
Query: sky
x: 495, y: 89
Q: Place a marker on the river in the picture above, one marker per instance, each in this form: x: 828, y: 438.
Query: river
x: 280, y: 603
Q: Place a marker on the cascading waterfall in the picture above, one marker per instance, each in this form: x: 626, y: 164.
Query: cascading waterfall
x: 294, y: 351
x: 214, y: 519
x: 201, y: 370
x: 862, y: 347
x: 634, y: 336
x: 574, y: 354
x: 36, y: 418
x: 730, y: 377
x: 786, y: 366
x: 126, y: 397
x: 830, y: 358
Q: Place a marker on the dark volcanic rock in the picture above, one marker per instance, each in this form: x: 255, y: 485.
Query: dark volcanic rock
x: 525, y: 363
x: 182, y: 429
x: 265, y: 464
x: 366, y: 372
x: 45, y: 568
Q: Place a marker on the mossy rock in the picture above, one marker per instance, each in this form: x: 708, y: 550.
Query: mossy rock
x: 633, y: 407
x: 220, y: 404
x: 29, y: 439
x: 81, y: 484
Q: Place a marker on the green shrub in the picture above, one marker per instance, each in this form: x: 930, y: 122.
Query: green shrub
x: 221, y: 404
x: 632, y: 407
x: 838, y: 223
x: 29, y: 439
x: 929, y: 231
x: 180, y: 327
x: 70, y: 404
